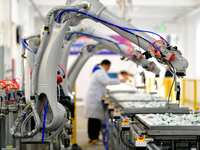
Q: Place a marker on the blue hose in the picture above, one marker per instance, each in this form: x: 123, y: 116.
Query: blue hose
x: 122, y: 28
x: 191, y: 146
x: 108, y: 136
x: 45, y: 113
x: 25, y: 45
x: 117, y: 44
x: 61, y: 69
x: 103, y: 135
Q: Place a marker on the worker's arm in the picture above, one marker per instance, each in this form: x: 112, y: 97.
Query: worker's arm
x: 104, y: 79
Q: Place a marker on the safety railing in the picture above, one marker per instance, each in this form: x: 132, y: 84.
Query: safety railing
x: 190, y: 90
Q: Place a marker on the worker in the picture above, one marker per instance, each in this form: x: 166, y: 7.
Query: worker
x: 94, y: 108
x: 96, y: 67
x: 129, y: 78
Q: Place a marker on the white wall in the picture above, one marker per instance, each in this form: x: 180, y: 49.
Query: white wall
x: 188, y: 43
x: 22, y: 16
x: 14, y: 13
x: 5, y: 22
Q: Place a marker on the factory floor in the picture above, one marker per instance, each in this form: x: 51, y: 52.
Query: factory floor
x: 82, y: 136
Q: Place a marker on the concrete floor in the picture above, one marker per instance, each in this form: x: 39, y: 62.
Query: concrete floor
x: 82, y: 136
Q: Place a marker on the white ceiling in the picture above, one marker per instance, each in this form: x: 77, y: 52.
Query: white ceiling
x: 167, y: 10
x: 135, y: 2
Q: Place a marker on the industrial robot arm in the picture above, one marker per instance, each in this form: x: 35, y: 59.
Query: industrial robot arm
x: 64, y: 60
x: 87, y: 51
x: 164, y: 53
x: 45, y: 66
x: 118, y: 48
x: 108, y: 43
x: 44, y: 82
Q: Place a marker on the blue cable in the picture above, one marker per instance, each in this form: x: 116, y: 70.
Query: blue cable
x: 191, y: 146
x: 8, y: 96
x: 25, y: 44
x: 45, y: 113
x: 61, y: 69
x: 123, y: 28
x: 108, y: 135
x: 137, y: 30
x: 103, y: 135
x: 117, y: 44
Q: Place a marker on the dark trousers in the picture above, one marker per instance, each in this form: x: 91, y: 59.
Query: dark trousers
x: 94, y: 127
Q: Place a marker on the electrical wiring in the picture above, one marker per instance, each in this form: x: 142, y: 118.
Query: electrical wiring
x: 45, y: 113
x: 103, y: 135
x: 62, y: 69
x: 137, y: 30
x: 17, y: 79
x: 156, y: 53
x: 105, y: 22
x: 13, y: 81
x: 108, y: 136
x: 192, y: 146
x: 2, y: 82
x: 25, y: 45
x: 62, y: 66
x: 117, y: 44
x: 116, y: 126
x: 13, y: 86
x: 71, y: 18
x: 172, y: 83
x: 167, y: 69
x: 124, y: 142
x: 42, y: 106
x: 31, y: 72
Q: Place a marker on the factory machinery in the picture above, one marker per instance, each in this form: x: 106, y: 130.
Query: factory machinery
x: 142, y: 121
x: 39, y: 115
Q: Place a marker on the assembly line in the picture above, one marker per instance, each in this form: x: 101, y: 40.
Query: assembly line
x: 37, y: 111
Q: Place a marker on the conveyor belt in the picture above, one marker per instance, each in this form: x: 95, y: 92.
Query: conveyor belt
x: 152, y: 146
x: 138, y: 129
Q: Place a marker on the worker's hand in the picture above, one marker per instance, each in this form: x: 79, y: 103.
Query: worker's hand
x: 123, y: 80
x: 130, y: 75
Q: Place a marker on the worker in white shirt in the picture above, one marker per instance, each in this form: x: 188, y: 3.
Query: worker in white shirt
x: 94, y: 108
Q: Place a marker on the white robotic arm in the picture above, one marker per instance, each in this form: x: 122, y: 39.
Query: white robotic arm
x: 45, y: 66
x: 87, y: 51
x: 119, y: 48
x: 165, y: 54
x: 108, y: 43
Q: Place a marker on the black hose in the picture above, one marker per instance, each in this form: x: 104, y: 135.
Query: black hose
x: 124, y: 142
